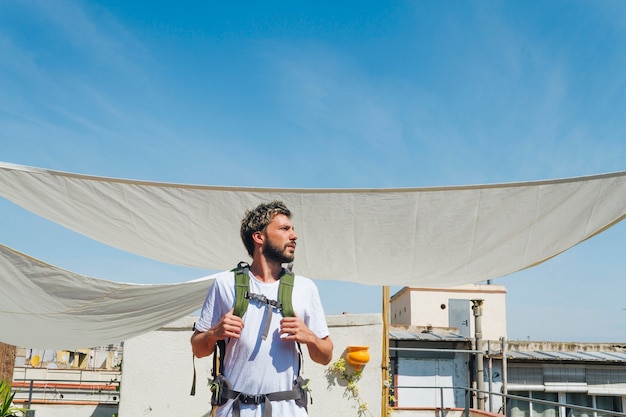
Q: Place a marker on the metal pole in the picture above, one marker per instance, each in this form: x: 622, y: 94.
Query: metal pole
x: 473, y: 382
x: 30, y: 393
x: 477, y: 307
x: 490, y: 375
x: 505, y: 376
x: 441, y: 399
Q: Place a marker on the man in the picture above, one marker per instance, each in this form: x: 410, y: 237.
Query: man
x: 257, y: 364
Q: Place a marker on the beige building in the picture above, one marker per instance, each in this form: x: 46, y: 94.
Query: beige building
x: 451, y: 308
x: 433, y: 344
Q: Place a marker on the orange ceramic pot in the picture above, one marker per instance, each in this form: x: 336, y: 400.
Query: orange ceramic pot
x: 358, y: 356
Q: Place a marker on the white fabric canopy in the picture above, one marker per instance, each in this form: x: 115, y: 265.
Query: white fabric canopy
x: 429, y: 237
x: 47, y: 307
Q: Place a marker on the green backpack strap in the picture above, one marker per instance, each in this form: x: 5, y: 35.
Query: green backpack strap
x: 285, y: 291
x: 242, y: 287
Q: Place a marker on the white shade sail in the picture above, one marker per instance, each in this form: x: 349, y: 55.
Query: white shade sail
x: 47, y: 307
x: 429, y: 237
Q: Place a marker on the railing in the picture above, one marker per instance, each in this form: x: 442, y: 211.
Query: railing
x: 470, y: 392
x: 65, y: 391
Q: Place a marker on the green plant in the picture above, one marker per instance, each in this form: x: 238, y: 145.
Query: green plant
x: 339, y: 369
x: 116, y: 382
x: 6, y: 401
x: 391, y: 398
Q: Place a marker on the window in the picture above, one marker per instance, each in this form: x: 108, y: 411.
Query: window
x: 517, y: 407
x: 608, y: 403
x: 526, y: 375
x: 564, y: 374
x: 545, y: 410
x: 577, y: 398
x: 571, y: 385
x: 528, y: 408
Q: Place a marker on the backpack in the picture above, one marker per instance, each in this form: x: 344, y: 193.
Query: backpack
x: 242, y: 300
x: 222, y: 391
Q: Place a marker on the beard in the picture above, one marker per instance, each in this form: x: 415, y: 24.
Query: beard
x: 274, y: 253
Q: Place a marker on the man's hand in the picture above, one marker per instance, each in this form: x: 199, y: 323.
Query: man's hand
x: 294, y: 329
x: 228, y: 326
x: 203, y: 343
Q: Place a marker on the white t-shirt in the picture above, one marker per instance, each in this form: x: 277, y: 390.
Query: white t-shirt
x: 257, y: 366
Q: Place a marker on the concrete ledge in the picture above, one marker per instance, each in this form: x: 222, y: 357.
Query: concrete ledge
x: 352, y: 320
x: 340, y: 320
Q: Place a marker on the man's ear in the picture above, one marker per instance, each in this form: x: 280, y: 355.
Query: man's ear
x: 258, y: 237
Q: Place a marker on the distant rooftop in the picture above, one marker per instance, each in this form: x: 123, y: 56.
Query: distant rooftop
x: 419, y: 333
x: 539, y: 355
x: 531, y: 351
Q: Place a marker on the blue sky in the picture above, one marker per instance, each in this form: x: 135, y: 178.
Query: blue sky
x: 325, y: 94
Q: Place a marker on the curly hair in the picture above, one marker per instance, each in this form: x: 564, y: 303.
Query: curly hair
x: 257, y: 219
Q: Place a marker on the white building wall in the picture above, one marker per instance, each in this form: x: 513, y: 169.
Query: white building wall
x: 72, y: 410
x: 158, y: 370
x: 400, y: 308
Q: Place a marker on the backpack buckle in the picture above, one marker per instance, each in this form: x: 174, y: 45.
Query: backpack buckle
x: 263, y: 300
x: 251, y: 399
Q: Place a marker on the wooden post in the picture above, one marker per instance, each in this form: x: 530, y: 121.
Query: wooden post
x: 7, y: 362
x: 385, y: 351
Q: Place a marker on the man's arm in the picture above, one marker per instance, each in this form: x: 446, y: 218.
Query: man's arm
x: 203, y: 343
x: 320, y: 349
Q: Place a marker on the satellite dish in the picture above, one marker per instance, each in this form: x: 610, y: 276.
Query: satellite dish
x: 35, y: 360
